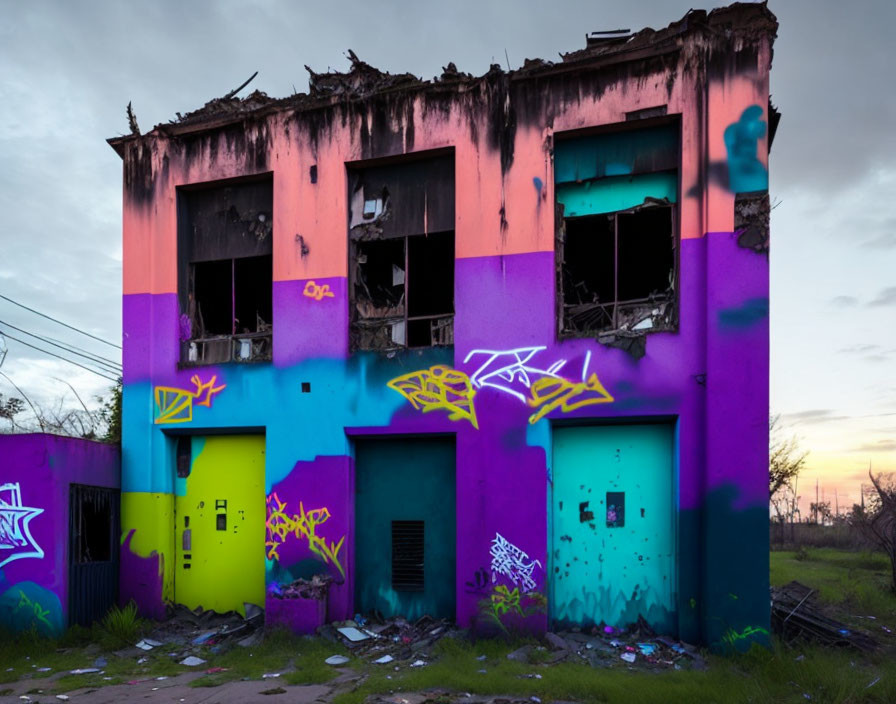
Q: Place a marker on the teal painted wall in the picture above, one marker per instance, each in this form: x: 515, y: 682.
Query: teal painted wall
x: 613, y: 574
x: 616, y: 154
x: 619, y: 193
x: 405, y: 479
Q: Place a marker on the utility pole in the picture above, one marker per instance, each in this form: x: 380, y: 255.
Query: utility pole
x: 816, y: 501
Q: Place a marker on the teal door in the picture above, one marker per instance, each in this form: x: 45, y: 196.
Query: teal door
x: 405, y: 527
x: 613, y: 531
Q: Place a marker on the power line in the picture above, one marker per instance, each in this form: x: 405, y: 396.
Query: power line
x: 37, y: 312
x: 108, y: 363
x: 64, y: 359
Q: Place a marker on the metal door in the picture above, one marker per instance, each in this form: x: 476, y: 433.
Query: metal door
x: 219, y: 514
x: 94, y: 531
x: 405, y: 527
x: 613, y: 532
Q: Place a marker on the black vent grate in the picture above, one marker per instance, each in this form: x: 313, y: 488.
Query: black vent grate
x: 407, y: 556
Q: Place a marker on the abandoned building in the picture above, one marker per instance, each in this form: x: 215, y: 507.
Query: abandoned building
x: 492, y: 348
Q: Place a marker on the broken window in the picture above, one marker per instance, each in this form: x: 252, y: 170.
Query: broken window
x: 225, y: 272
x: 401, y: 234
x: 617, y: 234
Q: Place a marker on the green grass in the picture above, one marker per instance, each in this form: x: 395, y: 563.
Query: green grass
x: 299, y: 660
x: 759, y: 676
x: 856, y: 582
x: 851, y: 583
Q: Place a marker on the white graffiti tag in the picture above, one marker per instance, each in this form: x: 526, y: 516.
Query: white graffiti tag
x: 15, y: 538
x: 513, y: 563
x: 506, y: 369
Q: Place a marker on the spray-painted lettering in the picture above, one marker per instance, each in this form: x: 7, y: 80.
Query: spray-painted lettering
x: 302, y: 525
x: 439, y: 388
x: 175, y: 405
x: 511, y: 562
x: 318, y: 293
x: 15, y: 537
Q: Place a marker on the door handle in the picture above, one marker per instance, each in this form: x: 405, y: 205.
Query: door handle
x: 186, y: 539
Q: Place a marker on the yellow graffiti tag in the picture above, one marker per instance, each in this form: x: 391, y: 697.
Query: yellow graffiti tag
x: 552, y: 392
x: 504, y: 600
x: 302, y: 525
x: 176, y: 405
x: 312, y: 290
x: 39, y: 613
x: 439, y: 388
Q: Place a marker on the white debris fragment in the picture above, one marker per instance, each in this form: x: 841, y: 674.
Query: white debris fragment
x: 336, y: 660
x: 192, y: 661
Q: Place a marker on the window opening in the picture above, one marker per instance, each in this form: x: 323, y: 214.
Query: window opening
x: 407, y: 556
x: 617, y: 234
x: 401, y: 231
x: 226, y: 273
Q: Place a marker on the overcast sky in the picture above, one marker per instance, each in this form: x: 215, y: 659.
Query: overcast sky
x: 67, y: 70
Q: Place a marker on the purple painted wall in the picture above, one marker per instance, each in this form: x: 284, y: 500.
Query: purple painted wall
x: 36, y: 472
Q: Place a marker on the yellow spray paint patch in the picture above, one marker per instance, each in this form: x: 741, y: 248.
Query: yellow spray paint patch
x: 151, y: 518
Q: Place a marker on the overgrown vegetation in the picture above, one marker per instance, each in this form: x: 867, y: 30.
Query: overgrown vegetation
x: 877, y: 520
x: 853, y: 584
x: 122, y: 625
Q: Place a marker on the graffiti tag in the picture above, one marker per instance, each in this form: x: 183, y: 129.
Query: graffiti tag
x: 511, y: 562
x: 541, y: 387
x: 176, y: 405
x: 439, y: 388
x: 302, y: 525
x: 15, y: 537
x: 318, y: 293
x: 38, y: 612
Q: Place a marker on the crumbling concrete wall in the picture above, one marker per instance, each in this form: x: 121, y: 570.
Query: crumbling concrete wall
x: 508, y: 375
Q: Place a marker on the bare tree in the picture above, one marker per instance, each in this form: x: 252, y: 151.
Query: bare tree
x: 785, y: 459
x: 876, y: 518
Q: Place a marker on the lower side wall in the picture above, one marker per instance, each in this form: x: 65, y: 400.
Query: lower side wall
x: 36, y: 473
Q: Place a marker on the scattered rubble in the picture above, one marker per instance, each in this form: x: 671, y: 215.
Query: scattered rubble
x: 795, y: 614
x: 315, y: 588
x: 389, y: 641
x: 605, y: 646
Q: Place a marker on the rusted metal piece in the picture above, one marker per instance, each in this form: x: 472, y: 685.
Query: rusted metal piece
x: 752, y: 214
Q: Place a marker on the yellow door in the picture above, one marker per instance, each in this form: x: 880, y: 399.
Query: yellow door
x: 219, y: 523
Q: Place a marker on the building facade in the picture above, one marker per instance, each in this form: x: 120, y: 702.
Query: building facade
x: 493, y: 348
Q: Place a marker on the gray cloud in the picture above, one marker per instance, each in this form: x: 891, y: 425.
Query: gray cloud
x: 844, y: 301
x: 886, y: 297
x: 877, y: 446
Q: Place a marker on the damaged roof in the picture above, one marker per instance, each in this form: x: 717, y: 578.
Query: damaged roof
x: 723, y: 28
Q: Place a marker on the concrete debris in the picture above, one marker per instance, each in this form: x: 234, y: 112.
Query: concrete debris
x: 604, y: 646
x: 315, y: 588
x: 377, y: 639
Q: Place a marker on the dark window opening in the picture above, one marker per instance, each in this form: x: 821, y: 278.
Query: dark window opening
x: 401, y: 231
x: 407, y: 556
x: 225, y: 269
x: 93, y: 514
x: 617, y: 241
x: 184, y: 456
x: 618, y: 270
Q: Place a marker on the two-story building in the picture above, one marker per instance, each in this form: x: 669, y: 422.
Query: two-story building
x: 490, y: 348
